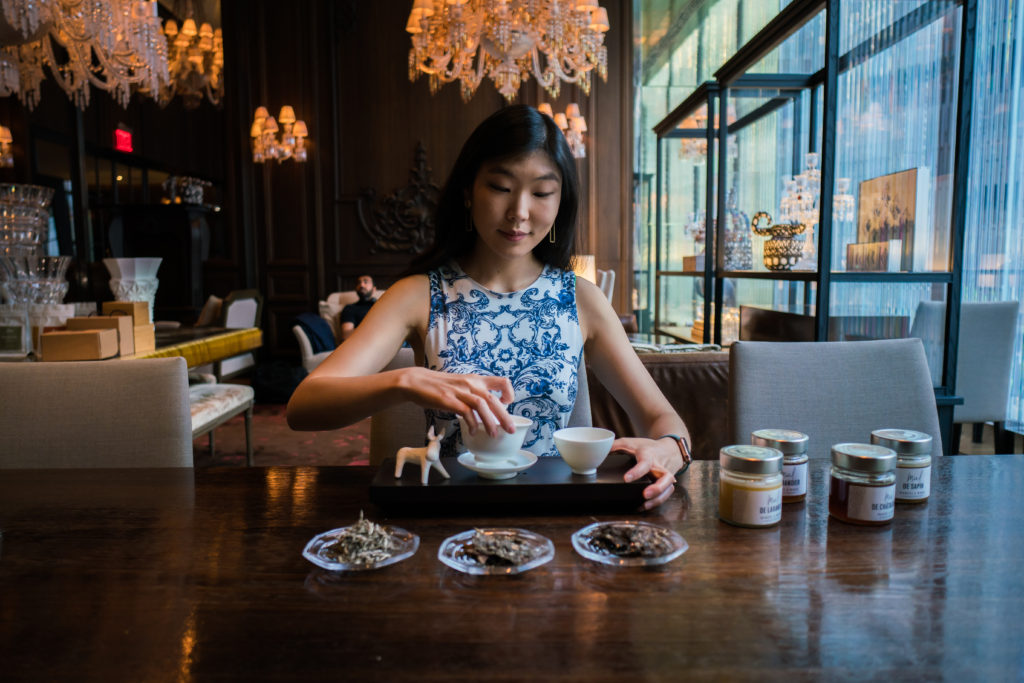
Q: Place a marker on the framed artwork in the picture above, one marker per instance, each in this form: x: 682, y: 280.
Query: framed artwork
x: 887, y: 211
x: 875, y: 256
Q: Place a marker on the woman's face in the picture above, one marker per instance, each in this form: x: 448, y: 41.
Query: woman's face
x: 514, y: 203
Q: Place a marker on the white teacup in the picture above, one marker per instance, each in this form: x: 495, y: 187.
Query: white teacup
x: 584, y: 448
x: 497, y: 449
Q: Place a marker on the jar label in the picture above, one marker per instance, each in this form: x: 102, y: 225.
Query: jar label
x: 757, y: 508
x: 913, y: 483
x: 794, y: 479
x: 871, y: 503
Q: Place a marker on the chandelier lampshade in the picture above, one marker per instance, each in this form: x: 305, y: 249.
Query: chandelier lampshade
x: 265, y: 142
x: 6, y: 140
x: 196, y: 59
x: 572, y: 124
x: 507, y: 41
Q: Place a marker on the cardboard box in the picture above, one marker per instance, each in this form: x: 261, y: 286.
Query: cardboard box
x: 145, y: 338
x: 79, y: 344
x: 121, y: 323
x: 691, y: 263
x: 138, y: 310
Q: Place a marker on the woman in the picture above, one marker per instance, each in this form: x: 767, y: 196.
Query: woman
x: 495, y: 316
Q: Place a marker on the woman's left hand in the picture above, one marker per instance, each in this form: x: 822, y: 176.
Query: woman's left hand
x: 661, y: 458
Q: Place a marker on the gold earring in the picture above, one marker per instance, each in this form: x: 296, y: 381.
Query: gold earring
x: 551, y: 235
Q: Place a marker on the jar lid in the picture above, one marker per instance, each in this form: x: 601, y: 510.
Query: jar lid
x: 750, y: 459
x: 864, y: 457
x: 789, y: 441
x: 903, y: 441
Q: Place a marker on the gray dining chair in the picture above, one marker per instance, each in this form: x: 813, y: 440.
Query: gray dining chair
x: 404, y: 424
x: 114, y: 413
x: 242, y: 308
x: 832, y: 391
x: 988, y: 332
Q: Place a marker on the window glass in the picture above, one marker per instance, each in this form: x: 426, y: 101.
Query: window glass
x: 894, y: 187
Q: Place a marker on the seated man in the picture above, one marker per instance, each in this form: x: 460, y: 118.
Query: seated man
x: 353, y: 314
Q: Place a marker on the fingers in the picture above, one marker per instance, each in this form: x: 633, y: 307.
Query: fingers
x: 660, y: 491
x: 484, y: 400
x: 487, y: 413
x: 638, y: 470
x: 502, y: 385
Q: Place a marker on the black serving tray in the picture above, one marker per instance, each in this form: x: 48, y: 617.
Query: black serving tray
x: 548, y: 484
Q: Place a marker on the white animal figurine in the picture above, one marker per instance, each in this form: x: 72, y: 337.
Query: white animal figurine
x: 428, y: 456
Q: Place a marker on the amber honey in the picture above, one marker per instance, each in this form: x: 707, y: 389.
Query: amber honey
x: 862, y: 484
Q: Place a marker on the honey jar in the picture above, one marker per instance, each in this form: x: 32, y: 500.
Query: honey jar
x: 750, y: 486
x: 862, y: 483
x: 913, y: 462
x: 793, y: 446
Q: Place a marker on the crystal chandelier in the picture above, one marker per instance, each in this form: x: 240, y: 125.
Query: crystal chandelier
x: 508, y: 40
x: 196, y: 62
x: 572, y: 125
x: 800, y: 204
x: 265, y: 144
x: 113, y: 45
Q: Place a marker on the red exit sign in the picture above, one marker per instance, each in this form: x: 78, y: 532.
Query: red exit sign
x: 122, y: 140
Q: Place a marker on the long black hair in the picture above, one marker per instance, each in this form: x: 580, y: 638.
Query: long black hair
x: 510, y: 132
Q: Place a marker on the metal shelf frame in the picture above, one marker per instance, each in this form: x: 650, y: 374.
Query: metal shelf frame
x: 733, y: 80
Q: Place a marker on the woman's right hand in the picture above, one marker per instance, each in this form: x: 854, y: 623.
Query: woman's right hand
x: 480, y: 400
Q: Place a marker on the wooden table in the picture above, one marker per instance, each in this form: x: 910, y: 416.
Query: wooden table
x: 177, y: 575
x: 204, y: 345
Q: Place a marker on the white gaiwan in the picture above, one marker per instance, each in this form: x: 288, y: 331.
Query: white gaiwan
x: 584, y: 448
x: 498, y: 449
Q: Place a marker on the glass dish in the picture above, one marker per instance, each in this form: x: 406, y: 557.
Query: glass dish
x: 455, y: 551
x: 586, y: 544
x: 405, y: 545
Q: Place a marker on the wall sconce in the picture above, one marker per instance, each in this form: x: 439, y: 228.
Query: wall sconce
x: 6, y: 155
x: 572, y: 124
x: 265, y: 144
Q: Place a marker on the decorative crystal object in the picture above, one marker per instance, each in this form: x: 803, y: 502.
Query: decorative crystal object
x: 134, y: 279
x: 800, y: 204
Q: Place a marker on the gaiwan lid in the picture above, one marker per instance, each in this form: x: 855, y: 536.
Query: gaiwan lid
x: 864, y: 457
x: 789, y: 441
x: 903, y: 441
x: 750, y: 459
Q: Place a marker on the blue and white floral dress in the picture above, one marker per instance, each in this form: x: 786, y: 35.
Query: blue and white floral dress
x: 531, y: 336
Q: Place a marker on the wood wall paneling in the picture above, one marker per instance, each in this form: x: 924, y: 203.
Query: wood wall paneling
x: 344, y: 67
x: 292, y: 230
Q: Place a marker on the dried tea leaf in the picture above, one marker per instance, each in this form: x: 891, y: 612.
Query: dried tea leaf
x: 362, y: 543
x: 498, y: 550
x: 630, y: 540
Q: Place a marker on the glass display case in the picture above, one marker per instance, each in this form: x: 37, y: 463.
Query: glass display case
x: 842, y: 163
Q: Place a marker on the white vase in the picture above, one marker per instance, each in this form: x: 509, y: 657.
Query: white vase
x: 134, y: 279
